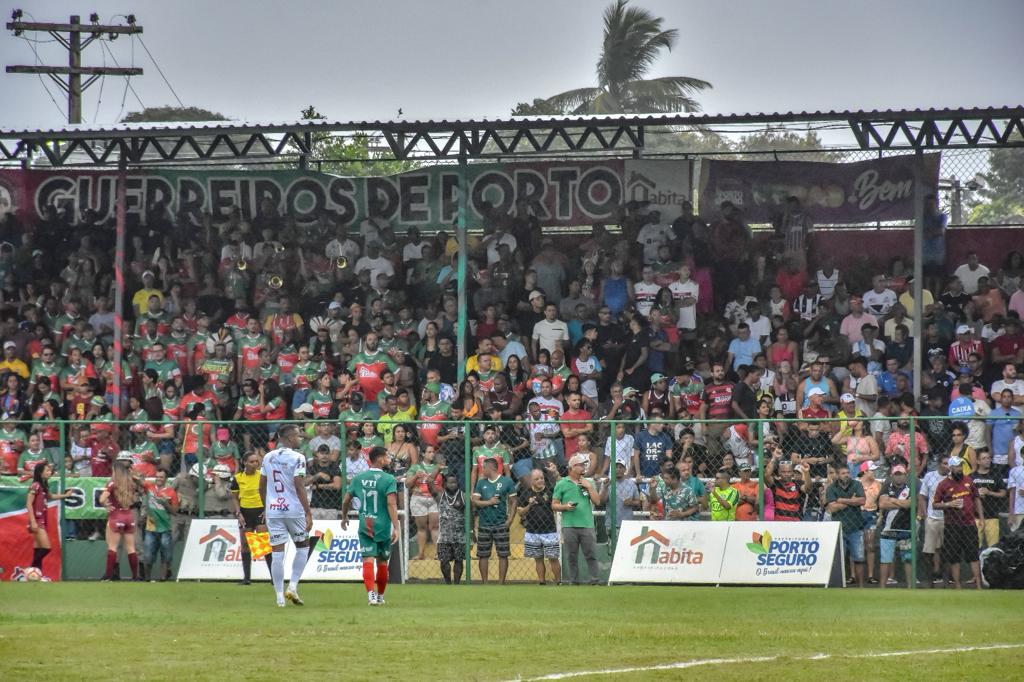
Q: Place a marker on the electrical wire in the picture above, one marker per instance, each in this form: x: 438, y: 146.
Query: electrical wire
x: 159, y: 70
x: 42, y: 80
x: 127, y: 80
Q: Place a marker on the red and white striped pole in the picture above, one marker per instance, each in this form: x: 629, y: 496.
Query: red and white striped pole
x: 119, y: 284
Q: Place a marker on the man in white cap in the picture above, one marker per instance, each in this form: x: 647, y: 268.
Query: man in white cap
x: 965, y: 344
x: 12, y: 363
x: 140, y: 300
x: 575, y: 498
x: 957, y: 497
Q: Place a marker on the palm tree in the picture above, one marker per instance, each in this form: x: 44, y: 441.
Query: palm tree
x: 633, y: 40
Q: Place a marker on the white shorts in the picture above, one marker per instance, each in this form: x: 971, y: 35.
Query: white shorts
x: 283, y: 527
x: 420, y: 505
x: 541, y: 545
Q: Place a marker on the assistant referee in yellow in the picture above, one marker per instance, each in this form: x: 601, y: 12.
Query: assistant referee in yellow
x: 245, y: 489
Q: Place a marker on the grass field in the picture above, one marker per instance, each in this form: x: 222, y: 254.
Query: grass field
x: 222, y: 631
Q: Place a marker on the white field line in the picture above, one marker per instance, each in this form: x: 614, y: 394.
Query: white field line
x: 762, y: 659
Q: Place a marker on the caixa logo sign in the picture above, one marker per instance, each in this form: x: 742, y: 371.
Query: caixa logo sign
x: 790, y: 553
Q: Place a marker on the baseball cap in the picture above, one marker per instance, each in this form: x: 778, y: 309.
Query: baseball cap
x: 334, y: 305
x: 936, y: 353
x: 304, y: 408
x: 148, y: 273
x: 9, y: 344
x: 955, y: 461
x: 966, y: 369
x: 124, y: 456
x: 815, y: 391
x: 844, y: 398
x: 964, y: 329
x: 656, y: 377
x: 868, y: 466
x: 628, y: 391
x: 746, y: 467
x: 899, y: 469
x: 536, y: 294
x: 577, y: 459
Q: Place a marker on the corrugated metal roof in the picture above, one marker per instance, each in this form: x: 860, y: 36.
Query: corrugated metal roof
x: 226, y: 127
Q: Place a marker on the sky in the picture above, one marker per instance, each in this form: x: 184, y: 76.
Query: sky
x: 262, y: 60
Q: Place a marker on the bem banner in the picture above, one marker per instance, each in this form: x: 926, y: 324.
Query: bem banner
x: 213, y: 551
x: 726, y: 553
x: 831, y: 193
x: 557, y: 193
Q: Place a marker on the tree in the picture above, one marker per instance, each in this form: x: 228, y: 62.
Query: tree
x: 1003, y: 190
x: 779, y: 138
x: 356, y: 154
x: 633, y: 40
x: 172, y: 114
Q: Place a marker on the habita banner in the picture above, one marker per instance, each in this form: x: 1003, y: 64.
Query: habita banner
x: 558, y: 193
x: 728, y: 553
x: 831, y: 193
x: 84, y: 502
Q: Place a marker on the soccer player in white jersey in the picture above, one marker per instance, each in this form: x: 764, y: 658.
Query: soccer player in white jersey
x: 282, y: 486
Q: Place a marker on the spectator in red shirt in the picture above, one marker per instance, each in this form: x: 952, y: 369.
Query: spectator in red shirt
x: 957, y: 497
x: 575, y: 413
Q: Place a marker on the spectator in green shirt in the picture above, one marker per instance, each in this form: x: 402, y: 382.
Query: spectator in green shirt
x: 844, y: 499
x: 492, y: 497
x: 723, y: 498
x: 575, y: 497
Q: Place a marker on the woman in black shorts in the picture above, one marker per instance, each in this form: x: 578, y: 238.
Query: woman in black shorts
x: 245, y: 488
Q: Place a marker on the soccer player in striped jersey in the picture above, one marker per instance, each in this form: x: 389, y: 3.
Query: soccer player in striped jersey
x: 378, y: 521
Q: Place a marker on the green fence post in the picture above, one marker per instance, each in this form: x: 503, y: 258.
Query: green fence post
x: 343, y: 456
x: 63, y: 488
x: 467, y: 455
x: 912, y: 578
x: 611, y: 508
x: 760, y: 470
x: 201, y: 483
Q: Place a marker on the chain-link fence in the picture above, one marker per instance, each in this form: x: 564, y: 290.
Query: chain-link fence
x: 526, y: 500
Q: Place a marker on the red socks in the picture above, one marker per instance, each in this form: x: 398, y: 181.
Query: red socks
x: 133, y: 561
x: 111, y: 564
x: 382, y: 578
x: 368, y: 578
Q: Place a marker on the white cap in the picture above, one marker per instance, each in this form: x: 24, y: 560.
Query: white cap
x: 964, y: 329
x: 845, y: 398
x: 124, y: 456
x: 334, y: 305
x: 222, y: 471
x: 815, y: 391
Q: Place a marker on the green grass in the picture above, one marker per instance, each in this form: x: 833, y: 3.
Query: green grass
x: 190, y: 631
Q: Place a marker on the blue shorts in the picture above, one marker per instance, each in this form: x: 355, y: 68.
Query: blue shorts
x: 854, y: 544
x: 870, y: 519
x: 887, y: 548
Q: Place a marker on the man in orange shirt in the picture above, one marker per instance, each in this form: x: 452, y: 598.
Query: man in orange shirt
x: 746, y: 510
x: 570, y: 430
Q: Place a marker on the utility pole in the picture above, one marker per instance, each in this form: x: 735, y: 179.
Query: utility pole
x: 74, y: 43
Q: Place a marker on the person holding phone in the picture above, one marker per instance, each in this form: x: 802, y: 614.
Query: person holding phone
x: 575, y: 498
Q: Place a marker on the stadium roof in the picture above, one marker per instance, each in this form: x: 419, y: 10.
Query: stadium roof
x: 197, y: 141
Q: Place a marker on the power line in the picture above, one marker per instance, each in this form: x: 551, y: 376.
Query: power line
x: 127, y: 81
x: 41, y: 80
x: 159, y: 70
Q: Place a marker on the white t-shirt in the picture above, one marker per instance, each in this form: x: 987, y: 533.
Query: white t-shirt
x: 549, y: 407
x: 1016, y: 480
x: 348, y: 248
x: 412, y: 252
x: 548, y: 333
x: 645, y: 294
x: 623, y: 449
x: 281, y: 467
x: 760, y: 329
x: 493, y: 244
x: 376, y: 266
x: 652, y: 236
x: 588, y: 366
x: 879, y: 303
x: 687, y: 313
x: 998, y: 387
x: 977, y: 435
x: 827, y: 285
x: 928, y: 486
x: 969, y: 278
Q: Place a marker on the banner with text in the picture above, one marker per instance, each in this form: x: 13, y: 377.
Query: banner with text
x: 721, y: 553
x: 831, y: 193
x: 557, y: 192
x: 213, y: 551
x: 84, y: 502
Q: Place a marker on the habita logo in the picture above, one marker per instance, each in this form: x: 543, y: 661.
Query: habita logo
x: 773, y: 552
x: 219, y: 545
x: 661, y: 550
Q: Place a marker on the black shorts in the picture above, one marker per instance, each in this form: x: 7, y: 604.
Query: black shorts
x: 253, y: 517
x: 451, y: 551
x: 959, y: 543
x: 492, y: 535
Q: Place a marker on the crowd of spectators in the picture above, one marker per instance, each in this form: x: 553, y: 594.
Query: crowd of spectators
x: 651, y: 323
